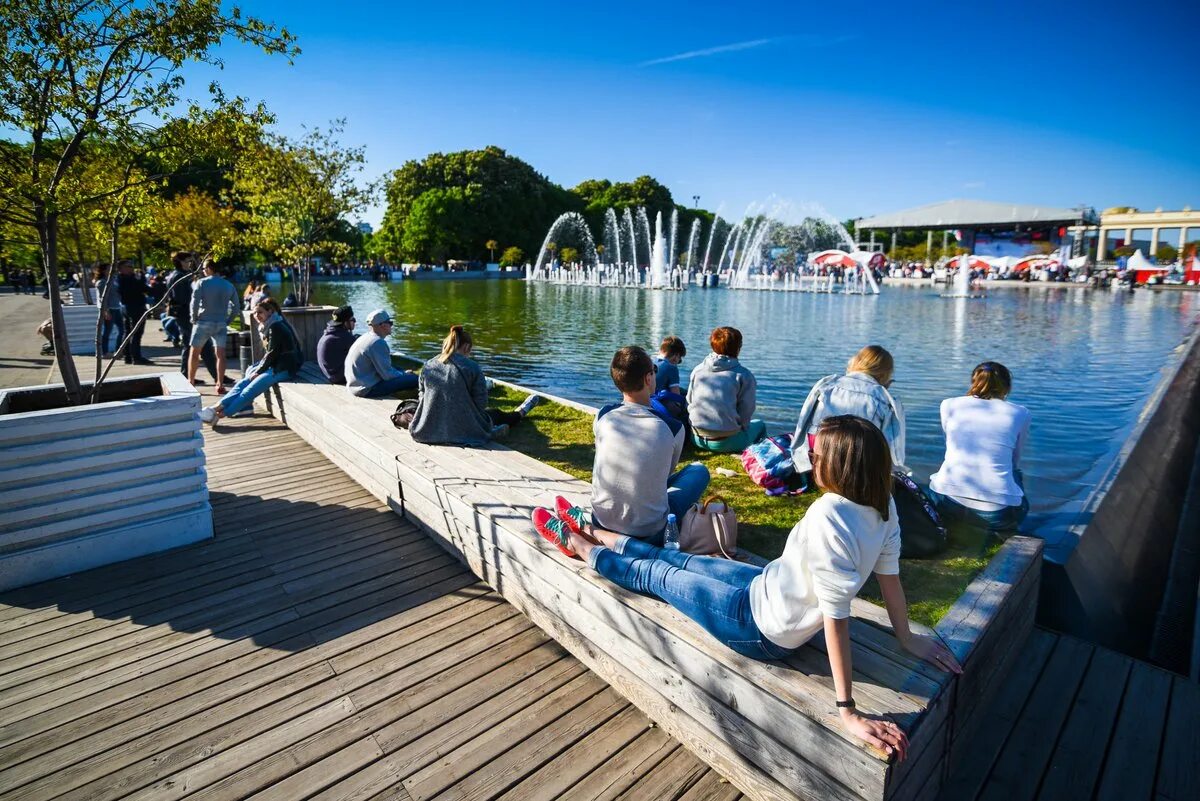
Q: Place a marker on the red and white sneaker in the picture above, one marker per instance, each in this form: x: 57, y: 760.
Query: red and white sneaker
x: 576, y: 517
x: 553, y: 530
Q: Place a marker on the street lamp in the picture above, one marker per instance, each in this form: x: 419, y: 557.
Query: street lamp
x: 695, y: 201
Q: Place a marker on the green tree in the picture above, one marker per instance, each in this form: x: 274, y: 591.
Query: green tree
x: 1166, y: 253
x: 439, y: 226
x: 197, y: 222
x: 295, y: 195
x: 512, y: 257
x: 491, y: 245
x: 568, y: 255
x: 76, y: 70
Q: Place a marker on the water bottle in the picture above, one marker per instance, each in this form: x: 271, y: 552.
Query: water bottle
x: 671, y: 535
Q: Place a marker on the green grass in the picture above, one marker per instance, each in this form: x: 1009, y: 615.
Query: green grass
x: 562, y: 437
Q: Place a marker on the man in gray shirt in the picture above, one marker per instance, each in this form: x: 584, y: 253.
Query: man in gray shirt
x: 214, y: 302
x: 369, y: 371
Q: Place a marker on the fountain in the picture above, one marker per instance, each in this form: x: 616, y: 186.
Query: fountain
x: 658, y: 256
x: 962, y: 280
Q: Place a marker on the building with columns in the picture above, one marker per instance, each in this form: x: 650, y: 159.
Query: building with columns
x: 1145, y: 231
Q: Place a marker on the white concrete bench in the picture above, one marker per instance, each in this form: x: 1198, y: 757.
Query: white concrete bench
x: 771, y: 728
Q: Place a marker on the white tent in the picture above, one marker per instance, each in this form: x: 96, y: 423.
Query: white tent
x: 1139, y: 262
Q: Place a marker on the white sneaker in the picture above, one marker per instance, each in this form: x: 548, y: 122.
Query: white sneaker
x: 527, y: 405
x: 208, y: 414
x: 489, y: 383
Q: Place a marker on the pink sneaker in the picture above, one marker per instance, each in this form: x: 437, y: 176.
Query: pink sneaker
x: 575, y: 517
x: 553, y: 530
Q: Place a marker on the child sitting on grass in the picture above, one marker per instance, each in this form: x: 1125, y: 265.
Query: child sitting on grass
x: 769, y: 612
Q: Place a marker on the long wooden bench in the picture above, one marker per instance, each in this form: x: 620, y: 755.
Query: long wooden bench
x: 771, y: 728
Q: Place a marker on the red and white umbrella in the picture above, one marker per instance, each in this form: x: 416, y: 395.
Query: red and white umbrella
x: 1038, y: 262
x: 832, y: 258
x: 973, y: 262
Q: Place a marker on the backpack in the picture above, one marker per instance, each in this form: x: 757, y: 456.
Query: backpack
x: 675, y: 406
x: 404, y: 414
x: 769, y: 464
x: 922, y: 533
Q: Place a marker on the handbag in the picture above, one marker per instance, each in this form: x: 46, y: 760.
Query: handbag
x: 709, y: 529
x: 404, y: 414
x: 922, y: 532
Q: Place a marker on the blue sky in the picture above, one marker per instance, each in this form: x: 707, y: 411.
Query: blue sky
x: 863, y: 108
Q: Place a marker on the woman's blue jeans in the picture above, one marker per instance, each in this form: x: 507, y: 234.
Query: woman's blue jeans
x: 243, y: 393
x: 713, y: 592
x: 1002, y: 522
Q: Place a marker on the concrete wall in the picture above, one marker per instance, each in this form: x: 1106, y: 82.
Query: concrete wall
x: 1110, y: 588
x: 86, y: 486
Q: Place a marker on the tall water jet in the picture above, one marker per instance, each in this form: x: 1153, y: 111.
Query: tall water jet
x: 612, y: 237
x: 658, y: 255
x: 627, y: 219
x: 644, y: 225
x: 673, y: 254
x: 571, y: 221
x: 693, y: 241
x: 711, y: 233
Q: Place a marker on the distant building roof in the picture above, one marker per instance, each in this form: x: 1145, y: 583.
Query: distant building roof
x: 951, y: 213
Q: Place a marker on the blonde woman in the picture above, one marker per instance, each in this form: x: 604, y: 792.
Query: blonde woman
x: 979, y: 482
x: 862, y: 392
x: 452, y: 406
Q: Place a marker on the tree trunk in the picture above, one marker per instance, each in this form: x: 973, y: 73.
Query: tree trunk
x: 47, y: 227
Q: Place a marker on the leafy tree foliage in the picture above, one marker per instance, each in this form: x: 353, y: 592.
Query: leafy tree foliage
x: 512, y: 257
x: 494, y: 195
x: 198, y: 222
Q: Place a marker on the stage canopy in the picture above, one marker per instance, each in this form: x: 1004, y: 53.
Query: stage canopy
x: 969, y: 214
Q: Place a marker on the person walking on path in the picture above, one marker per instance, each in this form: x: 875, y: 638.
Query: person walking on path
x: 368, y: 369
x: 280, y: 362
x: 132, y: 290
x: 179, y: 304
x: 214, y: 303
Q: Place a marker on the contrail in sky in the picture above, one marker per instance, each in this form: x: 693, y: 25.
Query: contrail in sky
x: 709, y: 51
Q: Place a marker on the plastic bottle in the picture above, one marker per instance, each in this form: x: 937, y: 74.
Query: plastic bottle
x: 671, y: 535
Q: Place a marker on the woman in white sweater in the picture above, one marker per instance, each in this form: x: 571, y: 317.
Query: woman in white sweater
x: 979, y: 483
x: 768, y: 612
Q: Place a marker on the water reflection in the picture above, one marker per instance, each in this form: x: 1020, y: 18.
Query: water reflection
x: 1084, y: 363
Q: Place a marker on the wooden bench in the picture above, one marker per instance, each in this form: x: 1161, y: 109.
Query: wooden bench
x: 771, y: 728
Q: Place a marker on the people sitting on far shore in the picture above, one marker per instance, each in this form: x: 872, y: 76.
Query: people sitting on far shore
x: 452, y: 407
x: 280, y: 362
x: 862, y: 392
x: 335, y: 344
x: 979, y: 482
x: 634, y: 481
x: 768, y: 612
x: 722, y: 397
x: 666, y: 364
x: 368, y: 367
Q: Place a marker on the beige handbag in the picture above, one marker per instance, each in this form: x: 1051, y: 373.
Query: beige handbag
x: 709, y: 529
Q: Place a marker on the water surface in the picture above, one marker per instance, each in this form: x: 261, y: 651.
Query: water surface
x: 1084, y: 363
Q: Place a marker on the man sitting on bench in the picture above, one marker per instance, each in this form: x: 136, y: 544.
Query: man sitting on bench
x: 369, y: 370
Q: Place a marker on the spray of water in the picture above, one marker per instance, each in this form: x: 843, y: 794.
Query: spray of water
x: 631, y: 251
x: 612, y: 237
x: 644, y: 227
x: 708, y: 248
x: 574, y: 222
x: 693, y: 241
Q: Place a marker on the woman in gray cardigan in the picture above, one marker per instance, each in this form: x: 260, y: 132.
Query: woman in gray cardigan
x: 452, y: 405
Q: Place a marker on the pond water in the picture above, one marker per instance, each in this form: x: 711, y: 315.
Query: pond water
x: 1083, y: 362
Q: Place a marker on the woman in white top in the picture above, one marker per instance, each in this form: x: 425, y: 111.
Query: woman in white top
x: 979, y: 483
x: 862, y: 392
x: 768, y: 612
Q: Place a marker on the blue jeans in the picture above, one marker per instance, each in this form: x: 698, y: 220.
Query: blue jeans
x: 713, y: 592
x: 685, y: 487
x: 115, y: 321
x: 388, y: 386
x: 170, y: 327
x: 243, y: 393
x: 735, y: 444
x: 1001, y: 521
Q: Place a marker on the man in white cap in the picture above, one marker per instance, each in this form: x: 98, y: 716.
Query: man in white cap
x: 369, y: 370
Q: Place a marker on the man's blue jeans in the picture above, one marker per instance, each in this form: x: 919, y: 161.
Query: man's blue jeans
x: 243, y: 393
x: 389, y: 386
x: 114, y: 322
x: 713, y: 592
x: 685, y: 487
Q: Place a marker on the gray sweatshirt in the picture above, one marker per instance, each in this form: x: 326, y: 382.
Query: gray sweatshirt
x: 452, y: 406
x: 368, y: 362
x: 721, y: 396
x: 636, y: 451
x: 214, y: 300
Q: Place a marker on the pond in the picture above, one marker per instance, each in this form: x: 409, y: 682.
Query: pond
x: 1083, y: 362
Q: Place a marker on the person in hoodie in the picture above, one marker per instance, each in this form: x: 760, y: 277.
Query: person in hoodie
x: 721, y: 398
x: 634, y: 481
x: 862, y: 392
x: 335, y: 344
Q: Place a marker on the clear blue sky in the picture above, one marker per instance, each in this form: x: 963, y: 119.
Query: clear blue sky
x: 863, y: 108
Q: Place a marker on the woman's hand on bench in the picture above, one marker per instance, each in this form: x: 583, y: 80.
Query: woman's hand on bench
x: 932, y: 651
x: 885, y: 735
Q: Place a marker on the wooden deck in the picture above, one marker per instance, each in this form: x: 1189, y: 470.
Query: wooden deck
x: 318, y: 647
x: 1077, y: 721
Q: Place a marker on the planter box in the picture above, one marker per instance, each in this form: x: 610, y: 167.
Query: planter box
x: 81, y: 328
x: 86, y: 486
x: 307, y: 321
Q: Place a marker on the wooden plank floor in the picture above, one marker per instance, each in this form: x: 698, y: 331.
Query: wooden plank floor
x: 1077, y: 721
x: 318, y: 647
